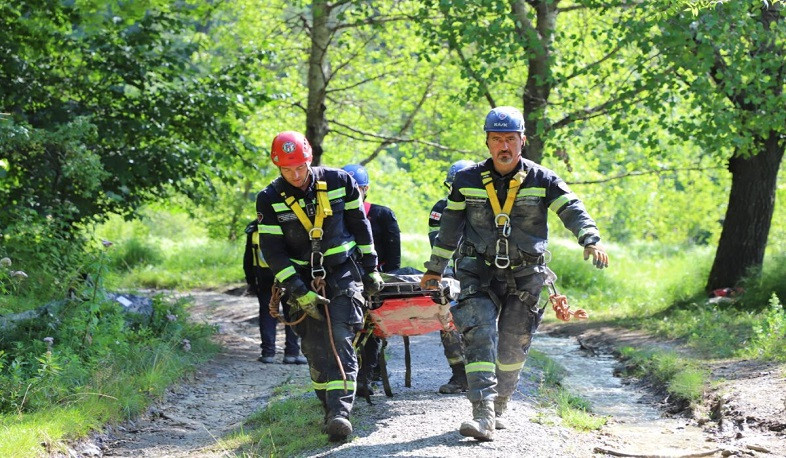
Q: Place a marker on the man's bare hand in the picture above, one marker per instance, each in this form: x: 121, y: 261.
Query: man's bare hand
x: 430, y: 280
x: 599, y: 257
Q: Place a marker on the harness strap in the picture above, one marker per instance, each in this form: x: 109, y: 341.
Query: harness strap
x: 323, y: 210
x: 513, y: 189
x: 315, y: 231
x: 502, y: 215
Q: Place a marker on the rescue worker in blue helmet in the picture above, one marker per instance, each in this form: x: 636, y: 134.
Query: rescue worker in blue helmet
x: 387, y: 242
x: 317, y: 241
x: 451, y: 340
x: 496, y: 218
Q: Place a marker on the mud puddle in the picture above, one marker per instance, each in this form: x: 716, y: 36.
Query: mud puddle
x: 639, y: 425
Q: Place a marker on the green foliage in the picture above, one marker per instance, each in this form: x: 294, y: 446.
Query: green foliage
x: 135, y: 252
x: 761, y: 284
x: 713, y: 329
x: 681, y: 377
x: 769, y: 333
x: 44, y: 359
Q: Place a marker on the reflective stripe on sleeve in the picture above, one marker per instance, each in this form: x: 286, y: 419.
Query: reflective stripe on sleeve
x: 285, y: 273
x: 337, y: 193
x: 441, y: 252
x: 560, y: 201
x: 270, y: 229
x: 366, y: 249
x: 456, y: 205
x: 480, y: 366
x: 353, y: 205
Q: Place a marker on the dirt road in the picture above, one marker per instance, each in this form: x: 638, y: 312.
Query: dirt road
x: 417, y: 421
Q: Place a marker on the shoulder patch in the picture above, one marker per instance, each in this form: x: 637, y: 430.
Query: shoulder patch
x: 435, y: 215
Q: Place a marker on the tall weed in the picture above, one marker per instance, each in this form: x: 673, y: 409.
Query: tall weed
x: 769, y: 334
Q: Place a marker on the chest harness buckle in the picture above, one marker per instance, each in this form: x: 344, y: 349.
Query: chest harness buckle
x: 315, y: 231
x: 502, y: 214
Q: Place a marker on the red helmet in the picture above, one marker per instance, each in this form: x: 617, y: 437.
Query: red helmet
x: 290, y: 149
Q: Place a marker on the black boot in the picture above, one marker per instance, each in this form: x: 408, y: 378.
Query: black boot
x: 457, y: 382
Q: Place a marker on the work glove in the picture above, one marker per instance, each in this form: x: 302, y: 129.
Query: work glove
x: 599, y: 257
x: 309, y: 303
x: 430, y: 280
x: 372, y: 283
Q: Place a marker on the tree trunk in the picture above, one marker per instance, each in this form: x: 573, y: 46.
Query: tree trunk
x: 539, y: 80
x: 749, y: 214
x: 318, y: 77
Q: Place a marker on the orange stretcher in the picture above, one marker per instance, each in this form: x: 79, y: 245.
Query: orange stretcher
x: 401, y: 308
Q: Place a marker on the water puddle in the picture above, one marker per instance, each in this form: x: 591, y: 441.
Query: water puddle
x: 640, y: 426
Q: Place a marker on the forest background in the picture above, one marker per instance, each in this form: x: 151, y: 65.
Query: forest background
x: 147, y: 125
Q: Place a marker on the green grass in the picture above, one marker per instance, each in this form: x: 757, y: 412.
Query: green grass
x: 682, y: 378
x: 118, y: 391
x: 289, y: 425
x: 575, y: 411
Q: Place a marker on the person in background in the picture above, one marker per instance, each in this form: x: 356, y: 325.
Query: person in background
x: 496, y: 217
x: 260, y: 281
x: 387, y: 242
x: 317, y: 241
x: 451, y: 340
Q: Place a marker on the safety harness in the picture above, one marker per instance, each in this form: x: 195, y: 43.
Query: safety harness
x: 502, y: 214
x: 315, y: 231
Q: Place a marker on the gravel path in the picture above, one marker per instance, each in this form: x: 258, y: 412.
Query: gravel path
x: 416, y: 421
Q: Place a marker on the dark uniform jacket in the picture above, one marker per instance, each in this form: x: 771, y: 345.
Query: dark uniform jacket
x: 468, y: 213
x: 254, y: 266
x: 387, y: 237
x: 284, y: 241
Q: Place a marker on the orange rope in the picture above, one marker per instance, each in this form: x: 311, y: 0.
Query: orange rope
x: 275, y: 301
x: 560, y: 305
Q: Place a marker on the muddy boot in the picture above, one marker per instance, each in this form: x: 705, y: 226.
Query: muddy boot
x: 457, y: 382
x: 338, y: 428
x: 481, y: 427
x: 500, y: 406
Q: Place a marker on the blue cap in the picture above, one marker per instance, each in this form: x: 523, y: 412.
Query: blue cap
x: 504, y: 119
x: 358, y: 172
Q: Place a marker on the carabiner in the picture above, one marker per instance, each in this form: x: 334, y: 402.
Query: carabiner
x: 502, y: 259
x: 505, y: 225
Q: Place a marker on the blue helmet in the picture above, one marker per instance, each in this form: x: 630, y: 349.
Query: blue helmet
x: 504, y: 119
x: 358, y: 172
x: 454, y: 168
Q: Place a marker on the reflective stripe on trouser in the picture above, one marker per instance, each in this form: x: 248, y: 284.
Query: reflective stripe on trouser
x: 517, y: 322
x: 346, y: 319
x: 476, y: 318
x: 454, y: 348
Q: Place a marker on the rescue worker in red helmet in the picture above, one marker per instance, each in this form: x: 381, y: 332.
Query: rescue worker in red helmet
x: 497, y: 211
x: 316, y: 239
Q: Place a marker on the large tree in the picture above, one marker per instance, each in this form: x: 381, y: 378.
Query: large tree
x: 565, y: 61
x: 731, y: 63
